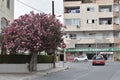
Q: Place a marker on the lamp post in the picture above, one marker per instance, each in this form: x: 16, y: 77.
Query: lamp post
x: 96, y: 37
x: 54, y: 50
x: 53, y: 14
x: 96, y: 45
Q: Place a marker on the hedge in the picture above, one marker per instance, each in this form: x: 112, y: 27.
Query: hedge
x: 20, y: 59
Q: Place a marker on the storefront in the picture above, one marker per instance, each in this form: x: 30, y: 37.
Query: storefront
x: 108, y: 53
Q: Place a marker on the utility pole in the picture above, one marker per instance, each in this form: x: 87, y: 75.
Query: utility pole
x: 53, y: 14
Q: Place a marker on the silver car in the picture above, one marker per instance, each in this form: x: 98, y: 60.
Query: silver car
x: 81, y: 58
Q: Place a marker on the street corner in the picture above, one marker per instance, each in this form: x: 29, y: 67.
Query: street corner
x: 57, y: 69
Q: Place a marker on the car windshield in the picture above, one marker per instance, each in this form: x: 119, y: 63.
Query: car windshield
x: 81, y: 56
x: 97, y: 58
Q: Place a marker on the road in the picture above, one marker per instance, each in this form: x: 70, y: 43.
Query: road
x: 85, y: 71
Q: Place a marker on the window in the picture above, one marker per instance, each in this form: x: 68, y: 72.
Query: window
x: 116, y: 7
x: 72, y: 36
x: 4, y: 22
x: 105, y: 8
x: 8, y: 4
x: 75, y: 9
x: 90, y: 9
x: 72, y: 22
x: 116, y: 34
x: 110, y: 45
x: 90, y: 21
x: 91, y: 33
x: 89, y: 45
x: 105, y: 21
x: 116, y: 20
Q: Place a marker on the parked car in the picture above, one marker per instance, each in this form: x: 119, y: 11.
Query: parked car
x: 98, y: 60
x: 80, y: 58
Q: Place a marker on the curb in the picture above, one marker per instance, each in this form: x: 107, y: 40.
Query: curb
x: 66, y: 68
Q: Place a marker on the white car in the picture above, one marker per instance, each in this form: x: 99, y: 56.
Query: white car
x: 80, y: 58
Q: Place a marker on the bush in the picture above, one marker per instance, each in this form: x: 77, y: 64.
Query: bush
x: 44, y: 59
x: 20, y: 59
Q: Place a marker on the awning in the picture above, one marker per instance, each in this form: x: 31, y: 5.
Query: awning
x: 91, y: 49
x: 106, y: 52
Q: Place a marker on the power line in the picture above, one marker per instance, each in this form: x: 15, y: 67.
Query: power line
x: 29, y: 6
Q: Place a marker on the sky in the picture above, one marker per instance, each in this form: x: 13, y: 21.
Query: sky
x: 41, y: 5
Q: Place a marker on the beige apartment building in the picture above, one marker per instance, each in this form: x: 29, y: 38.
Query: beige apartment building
x: 92, y: 27
x: 6, y: 12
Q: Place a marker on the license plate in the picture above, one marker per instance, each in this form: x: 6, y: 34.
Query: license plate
x: 97, y: 62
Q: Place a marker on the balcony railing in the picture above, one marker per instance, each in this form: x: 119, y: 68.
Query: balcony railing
x: 116, y: 13
x: 92, y: 41
x: 72, y: 0
x: 116, y: 1
x: 116, y: 27
x: 72, y: 3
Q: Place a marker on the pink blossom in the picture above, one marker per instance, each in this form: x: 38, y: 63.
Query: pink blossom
x: 32, y: 31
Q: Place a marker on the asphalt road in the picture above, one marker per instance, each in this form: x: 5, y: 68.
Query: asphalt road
x: 85, y: 71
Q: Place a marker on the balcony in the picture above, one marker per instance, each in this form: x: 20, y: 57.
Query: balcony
x: 105, y: 21
x: 92, y: 28
x: 116, y: 27
x: 117, y: 40
x: 92, y: 41
x: 104, y: 1
x: 72, y: 15
x: 105, y: 8
x: 73, y: 28
x: 75, y: 9
x: 71, y: 0
x: 116, y: 1
x: 116, y: 13
x: 72, y: 3
x: 83, y: 1
x: 79, y: 41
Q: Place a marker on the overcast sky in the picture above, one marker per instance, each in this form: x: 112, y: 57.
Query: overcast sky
x: 41, y: 5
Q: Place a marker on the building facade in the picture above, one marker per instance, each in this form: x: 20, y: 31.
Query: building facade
x: 92, y: 27
x: 6, y: 12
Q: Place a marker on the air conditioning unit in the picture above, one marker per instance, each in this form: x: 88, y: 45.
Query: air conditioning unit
x: 77, y: 26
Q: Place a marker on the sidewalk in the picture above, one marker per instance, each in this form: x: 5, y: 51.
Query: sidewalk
x: 29, y: 76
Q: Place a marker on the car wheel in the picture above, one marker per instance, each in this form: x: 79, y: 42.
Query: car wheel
x: 76, y: 60
x: 85, y: 60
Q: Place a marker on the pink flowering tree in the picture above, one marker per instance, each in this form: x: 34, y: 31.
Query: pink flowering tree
x: 34, y: 33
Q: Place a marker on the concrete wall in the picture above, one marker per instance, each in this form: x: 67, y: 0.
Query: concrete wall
x: 13, y: 68
x: 41, y: 67
x: 22, y: 68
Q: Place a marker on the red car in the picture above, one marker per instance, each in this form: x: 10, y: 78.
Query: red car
x: 98, y: 60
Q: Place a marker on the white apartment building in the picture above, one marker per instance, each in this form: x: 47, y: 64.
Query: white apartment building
x: 92, y: 27
x: 6, y: 12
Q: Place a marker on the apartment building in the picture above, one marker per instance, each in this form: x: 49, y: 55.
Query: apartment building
x: 92, y: 27
x: 6, y: 12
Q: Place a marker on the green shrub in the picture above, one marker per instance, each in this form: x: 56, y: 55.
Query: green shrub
x: 20, y: 59
x: 44, y: 59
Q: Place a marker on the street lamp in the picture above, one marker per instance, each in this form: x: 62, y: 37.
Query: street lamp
x: 96, y: 45
x: 53, y: 16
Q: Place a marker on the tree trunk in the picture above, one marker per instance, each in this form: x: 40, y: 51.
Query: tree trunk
x: 3, y: 50
x: 33, y: 62
x: 54, y: 59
